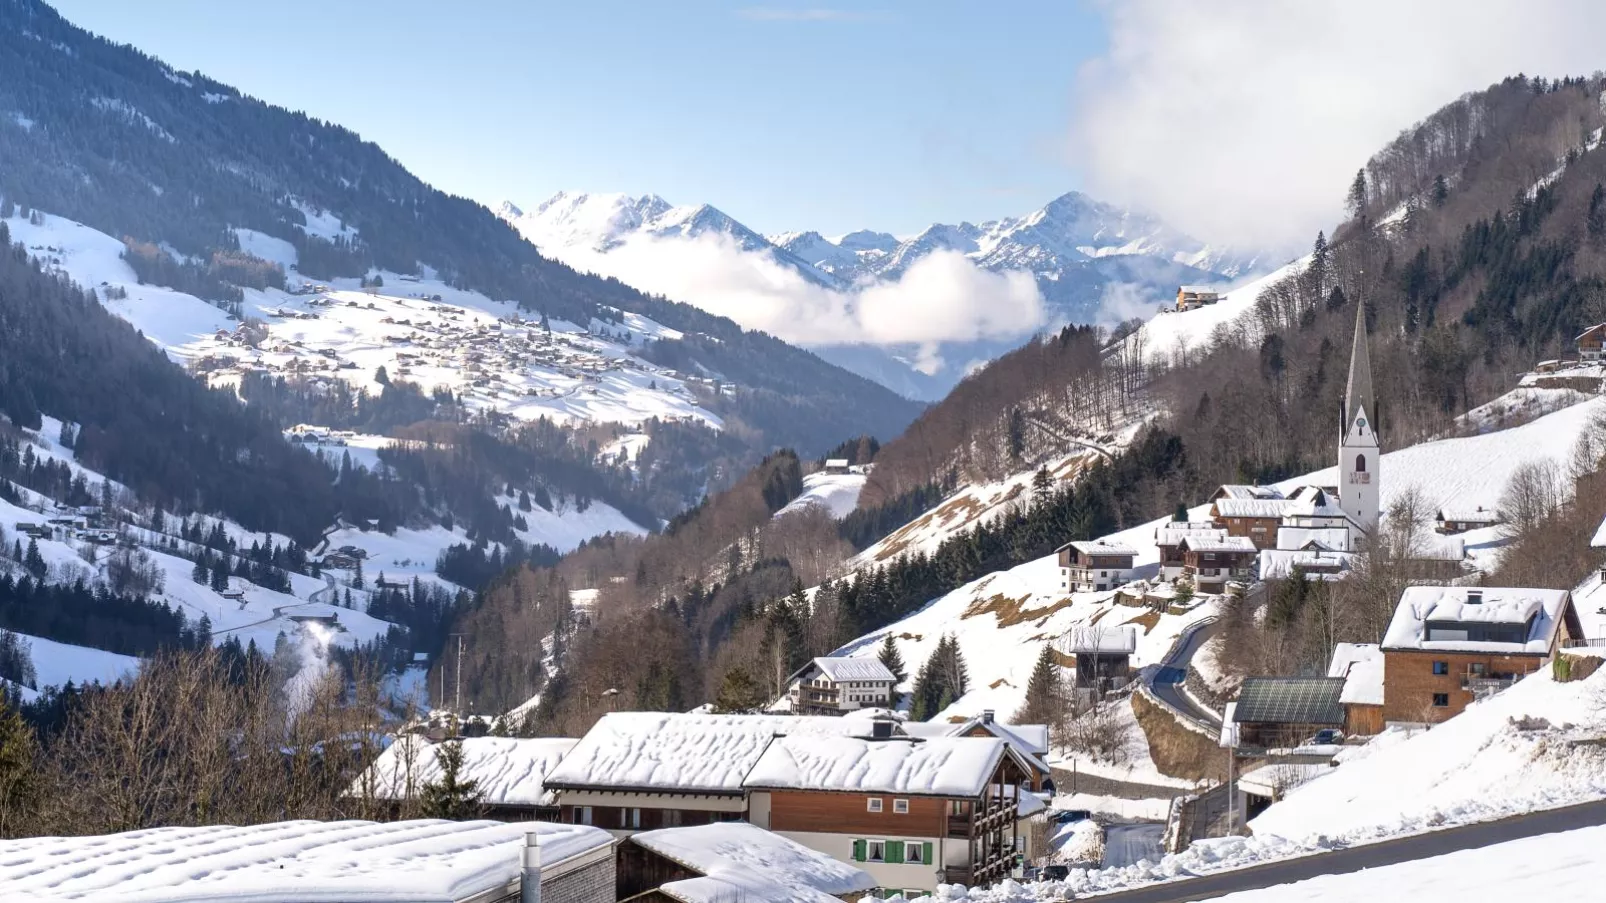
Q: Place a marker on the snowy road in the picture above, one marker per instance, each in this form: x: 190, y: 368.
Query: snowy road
x: 1359, y: 858
x: 1126, y: 844
x: 1168, y: 678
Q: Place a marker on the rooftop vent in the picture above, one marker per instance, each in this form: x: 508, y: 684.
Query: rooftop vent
x: 987, y: 716
x: 881, y: 729
x: 1474, y: 597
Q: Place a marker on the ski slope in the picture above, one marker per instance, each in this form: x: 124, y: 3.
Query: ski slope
x: 837, y: 493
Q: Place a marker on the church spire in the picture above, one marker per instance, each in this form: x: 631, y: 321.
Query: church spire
x: 1358, y: 393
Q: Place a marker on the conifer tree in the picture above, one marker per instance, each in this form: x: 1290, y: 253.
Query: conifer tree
x: 1441, y: 190
x: 33, y: 562
x: 738, y: 693
x: 19, y: 780
x: 890, y: 657
x: 450, y: 796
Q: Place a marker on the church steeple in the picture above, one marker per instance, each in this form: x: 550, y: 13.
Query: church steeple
x: 1359, y: 492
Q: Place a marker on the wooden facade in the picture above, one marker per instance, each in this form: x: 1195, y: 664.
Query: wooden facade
x: 640, y: 818
x: 1262, y: 531
x: 1430, y: 686
x: 1363, y: 720
x: 1085, y: 571
x: 1592, y: 343
x: 1212, y: 570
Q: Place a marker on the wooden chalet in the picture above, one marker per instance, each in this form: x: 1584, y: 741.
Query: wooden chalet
x: 1256, y: 519
x: 1360, y: 666
x: 1192, y: 297
x: 1212, y: 562
x: 1168, y: 539
x: 1103, y: 655
x: 1094, y: 565
x: 1592, y: 343
x: 1452, y: 520
x: 834, y: 685
x: 510, y: 773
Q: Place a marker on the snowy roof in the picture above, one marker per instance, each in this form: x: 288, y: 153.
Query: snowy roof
x: 1246, y: 491
x: 1030, y: 803
x: 1234, y: 507
x: 1098, y: 547
x: 1278, y: 564
x: 1198, y: 290
x: 680, y: 752
x: 740, y: 861
x: 1031, y: 740
x: 1313, y: 501
x: 1599, y: 541
x: 940, y: 766
x: 1331, y: 539
x: 1121, y: 640
x: 1173, y: 532
x: 426, y: 861
x: 509, y: 770
x: 1478, y: 515
x: 1539, y: 609
x: 848, y: 668
x: 1219, y: 544
x: 1434, y: 547
x: 1361, y: 667
x: 1593, y: 329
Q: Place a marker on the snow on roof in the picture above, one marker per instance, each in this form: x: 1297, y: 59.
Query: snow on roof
x: 698, y: 753
x: 1031, y: 740
x: 1599, y: 541
x: 842, y: 668
x: 1593, y: 329
x: 1122, y: 640
x: 1434, y: 547
x: 425, y: 861
x: 509, y: 770
x: 1173, y: 532
x: 940, y: 766
x: 1279, y: 564
x: 1099, y: 547
x: 1540, y: 609
x: 1219, y: 544
x: 1246, y: 491
x: 1198, y: 290
x: 1233, y: 507
x: 1478, y: 515
x: 1331, y: 539
x: 1361, y: 666
x: 740, y: 861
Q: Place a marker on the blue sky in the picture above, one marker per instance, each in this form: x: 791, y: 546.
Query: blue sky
x: 887, y: 116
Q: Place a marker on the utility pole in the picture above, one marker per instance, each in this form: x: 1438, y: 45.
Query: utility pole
x: 458, y: 704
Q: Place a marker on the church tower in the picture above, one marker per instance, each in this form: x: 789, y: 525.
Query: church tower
x: 1358, y: 451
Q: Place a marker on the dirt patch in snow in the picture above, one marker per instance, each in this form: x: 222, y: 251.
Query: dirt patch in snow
x: 1176, y: 750
x: 1011, y: 612
x: 1149, y: 621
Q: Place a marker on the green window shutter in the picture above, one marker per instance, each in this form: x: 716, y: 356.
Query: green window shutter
x: 858, y: 851
x: 926, y: 858
x: 894, y: 851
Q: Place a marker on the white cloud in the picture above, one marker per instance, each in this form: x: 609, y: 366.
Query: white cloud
x: 942, y: 297
x: 1244, y: 120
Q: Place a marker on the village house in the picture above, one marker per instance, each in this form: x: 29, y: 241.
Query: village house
x: 1103, y: 655
x: 639, y: 771
x: 1360, y: 666
x: 1168, y: 539
x: 1460, y: 520
x: 834, y: 685
x: 1591, y: 343
x: 1191, y: 297
x: 836, y: 465
x: 1211, y: 563
x: 510, y: 773
x: 912, y: 812
x: 1286, y: 712
x: 1028, y: 741
x: 1094, y: 565
x: 1255, y: 519
x: 1449, y: 645
x: 731, y: 861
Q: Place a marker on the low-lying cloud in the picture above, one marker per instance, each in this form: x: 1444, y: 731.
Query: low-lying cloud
x: 1244, y: 120
x: 942, y: 297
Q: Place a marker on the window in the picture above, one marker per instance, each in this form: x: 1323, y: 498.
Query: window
x: 914, y: 852
x: 1441, y: 700
x: 1360, y: 464
x: 630, y: 818
x: 873, y: 804
x: 877, y: 851
x: 582, y: 815
x: 1441, y: 668
x: 900, y: 807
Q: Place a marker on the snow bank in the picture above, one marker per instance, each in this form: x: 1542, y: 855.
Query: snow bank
x: 739, y: 861
x: 509, y: 771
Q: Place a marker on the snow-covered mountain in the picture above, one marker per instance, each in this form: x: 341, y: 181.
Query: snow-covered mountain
x: 1092, y: 262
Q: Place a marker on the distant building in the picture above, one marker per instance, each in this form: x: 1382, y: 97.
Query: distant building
x: 1255, y: 519
x: 1592, y: 343
x: 1191, y: 297
x: 834, y: 685
x: 1448, y: 645
x: 1168, y: 539
x: 1094, y: 565
x: 1103, y: 655
x: 1284, y: 712
x: 1460, y: 520
x: 836, y: 465
x: 1360, y: 666
x: 1213, y: 562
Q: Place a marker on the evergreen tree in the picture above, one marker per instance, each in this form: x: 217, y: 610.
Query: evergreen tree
x: 1595, y: 219
x: 890, y: 657
x: 356, y: 576
x: 1017, y: 434
x: 201, y: 573
x: 220, y: 575
x: 1042, y: 486
x: 1355, y: 202
x: 33, y: 562
x: 450, y: 796
x: 19, y: 780
x: 739, y: 693
x: 1441, y: 190
x: 1181, y: 514
x: 1045, y: 700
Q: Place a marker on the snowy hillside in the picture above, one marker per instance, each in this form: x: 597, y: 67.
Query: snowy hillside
x: 1170, y: 336
x: 837, y: 493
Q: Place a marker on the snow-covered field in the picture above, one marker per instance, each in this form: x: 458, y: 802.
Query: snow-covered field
x: 837, y: 493
x: 480, y: 348
x: 1169, y: 337
x: 55, y: 664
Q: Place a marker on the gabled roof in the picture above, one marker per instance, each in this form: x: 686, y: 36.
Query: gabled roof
x: 1326, y: 539
x: 1226, y: 544
x: 1097, y: 547
x: 738, y: 861
x: 1290, y: 700
x: 1120, y: 640
x: 1233, y: 507
x: 842, y: 668
x: 1590, y: 331
x: 510, y: 771
x: 1277, y: 564
x: 954, y: 767
x: 1541, y: 610
x: 1173, y: 532
x: 1246, y: 491
x: 1478, y: 515
x: 681, y: 753
x: 1361, y: 667
x: 1028, y: 740
x: 1198, y: 290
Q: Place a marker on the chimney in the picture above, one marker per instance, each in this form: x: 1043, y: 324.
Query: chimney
x: 530, y: 879
x: 987, y: 716
x: 881, y: 729
x: 1474, y: 597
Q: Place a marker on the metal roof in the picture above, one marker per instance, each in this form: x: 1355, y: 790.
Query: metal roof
x: 1290, y: 700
